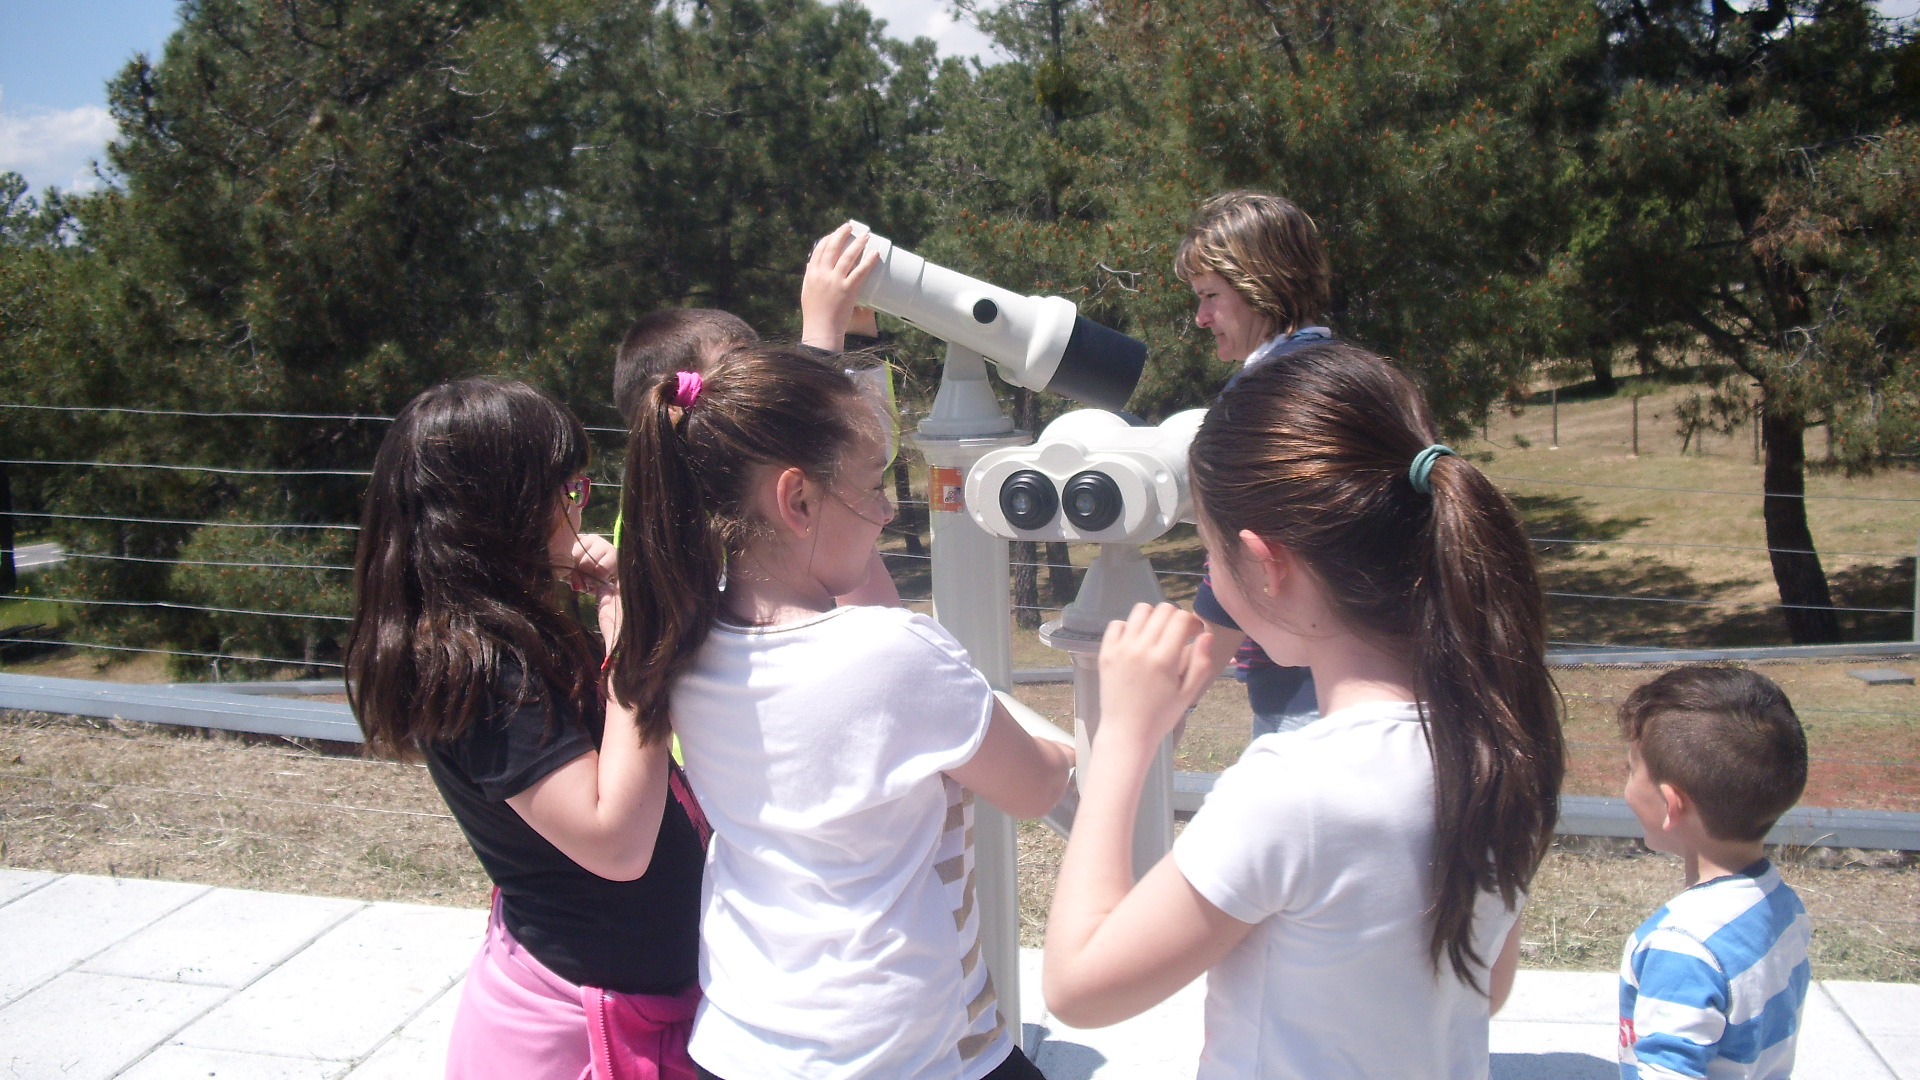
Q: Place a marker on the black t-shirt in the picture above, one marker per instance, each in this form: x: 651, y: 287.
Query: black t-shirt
x: 634, y: 937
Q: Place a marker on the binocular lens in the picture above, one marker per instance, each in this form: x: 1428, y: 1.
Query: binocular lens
x: 1092, y: 500
x: 1027, y: 499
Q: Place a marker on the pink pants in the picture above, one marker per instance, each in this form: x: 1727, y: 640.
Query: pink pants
x: 519, y: 1021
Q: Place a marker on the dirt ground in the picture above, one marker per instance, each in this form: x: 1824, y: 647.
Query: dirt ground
x: 107, y: 797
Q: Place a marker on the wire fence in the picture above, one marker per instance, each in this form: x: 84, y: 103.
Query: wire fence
x: 272, y: 565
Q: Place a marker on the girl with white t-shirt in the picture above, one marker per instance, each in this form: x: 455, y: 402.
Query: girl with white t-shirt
x: 1352, y: 888
x: 836, y: 750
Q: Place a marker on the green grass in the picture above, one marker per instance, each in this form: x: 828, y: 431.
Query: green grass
x: 24, y: 612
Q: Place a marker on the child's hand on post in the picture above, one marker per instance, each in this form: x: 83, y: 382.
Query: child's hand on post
x: 1152, y: 666
x: 836, y: 271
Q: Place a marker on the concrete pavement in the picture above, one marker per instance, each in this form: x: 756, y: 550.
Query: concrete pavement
x: 153, y: 980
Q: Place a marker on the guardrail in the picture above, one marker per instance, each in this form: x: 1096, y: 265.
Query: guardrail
x: 287, y: 708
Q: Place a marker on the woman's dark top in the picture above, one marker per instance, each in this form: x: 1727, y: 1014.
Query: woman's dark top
x: 634, y: 937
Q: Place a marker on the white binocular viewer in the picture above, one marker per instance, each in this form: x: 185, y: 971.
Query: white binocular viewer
x: 1091, y: 477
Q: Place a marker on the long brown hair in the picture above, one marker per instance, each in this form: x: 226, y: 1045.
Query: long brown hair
x: 685, y: 501
x: 1311, y: 451
x: 452, y: 580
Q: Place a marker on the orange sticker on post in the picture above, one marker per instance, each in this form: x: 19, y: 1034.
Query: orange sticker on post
x: 946, y: 488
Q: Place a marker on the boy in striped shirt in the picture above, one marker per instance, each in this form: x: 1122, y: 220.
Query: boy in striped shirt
x: 1712, y: 984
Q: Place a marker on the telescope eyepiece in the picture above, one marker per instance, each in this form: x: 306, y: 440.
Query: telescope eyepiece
x: 1092, y: 500
x: 1027, y: 499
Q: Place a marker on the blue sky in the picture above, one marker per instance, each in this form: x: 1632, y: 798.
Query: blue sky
x: 55, y: 59
x: 57, y: 55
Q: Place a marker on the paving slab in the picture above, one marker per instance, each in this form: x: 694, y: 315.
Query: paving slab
x: 1832, y: 1046
x: 419, y: 1049
x: 181, y: 1062
x: 140, y: 980
x: 67, y: 920
x: 17, y: 883
x: 344, y: 995
x: 89, y: 1027
x: 1563, y: 997
x: 1878, y: 1008
x: 1162, y: 1043
x: 224, y: 937
x: 1902, y: 1053
x: 1557, y: 1025
x: 1538, y: 1055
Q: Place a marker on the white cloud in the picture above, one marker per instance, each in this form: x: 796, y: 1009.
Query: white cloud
x: 55, y: 147
x: 909, y: 19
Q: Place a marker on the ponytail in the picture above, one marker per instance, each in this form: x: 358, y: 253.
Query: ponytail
x: 672, y: 551
x: 1312, y: 451
x: 1494, y: 728
x: 694, y: 449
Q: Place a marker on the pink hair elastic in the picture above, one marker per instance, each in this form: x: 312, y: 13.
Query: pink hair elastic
x: 688, y: 390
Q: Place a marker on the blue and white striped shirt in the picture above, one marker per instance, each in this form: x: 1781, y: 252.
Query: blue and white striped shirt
x: 1712, y: 984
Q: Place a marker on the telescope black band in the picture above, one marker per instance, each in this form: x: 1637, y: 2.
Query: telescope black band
x: 1099, y: 367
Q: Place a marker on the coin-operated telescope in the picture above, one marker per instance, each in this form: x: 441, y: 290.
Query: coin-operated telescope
x: 1038, y: 342
x: 1094, y: 477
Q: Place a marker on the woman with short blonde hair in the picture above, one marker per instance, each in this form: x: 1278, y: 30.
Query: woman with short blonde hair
x: 1260, y: 272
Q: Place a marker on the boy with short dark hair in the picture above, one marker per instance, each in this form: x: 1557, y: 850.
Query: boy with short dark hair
x: 670, y: 340
x: 1713, y: 983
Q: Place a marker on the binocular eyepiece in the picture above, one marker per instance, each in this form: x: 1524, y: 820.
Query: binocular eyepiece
x: 1090, y: 476
x: 1090, y: 500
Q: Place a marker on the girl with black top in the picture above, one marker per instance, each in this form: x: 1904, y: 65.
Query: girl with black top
x: 460, y: 654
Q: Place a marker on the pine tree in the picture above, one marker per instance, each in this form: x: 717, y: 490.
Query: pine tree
x: 1721, y: 148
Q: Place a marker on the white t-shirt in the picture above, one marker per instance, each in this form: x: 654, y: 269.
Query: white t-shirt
x: 839, y: 935
x: 1323, y: 837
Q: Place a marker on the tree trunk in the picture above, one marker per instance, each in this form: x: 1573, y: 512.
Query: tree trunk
x: 1059, y: 574
x: 1026, y: 575
x: 907, y: 521
x: 7, y: 578
x: 1601, y: 360
x: 1796, y: 565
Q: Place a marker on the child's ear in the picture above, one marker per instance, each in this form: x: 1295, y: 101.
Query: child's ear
x: 1273, y: 562
x: 1678, y: 805
x: 795, y: 501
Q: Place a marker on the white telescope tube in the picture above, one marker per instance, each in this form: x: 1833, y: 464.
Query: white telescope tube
x: 1039, y: 342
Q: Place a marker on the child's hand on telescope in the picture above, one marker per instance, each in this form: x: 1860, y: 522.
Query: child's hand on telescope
x: 1152, y: 666
x: 836, y: 271
x: 596, y: 563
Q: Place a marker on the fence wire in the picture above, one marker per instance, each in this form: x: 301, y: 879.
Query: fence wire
x: 1165, y: 574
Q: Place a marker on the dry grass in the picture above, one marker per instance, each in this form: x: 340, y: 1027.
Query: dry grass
x: 105, y: 797
x: 1866, y: 912
x: 1866, y: 540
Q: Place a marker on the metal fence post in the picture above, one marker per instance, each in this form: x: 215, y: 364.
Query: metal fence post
x: 1636, y: 425
x: 1554, y: 396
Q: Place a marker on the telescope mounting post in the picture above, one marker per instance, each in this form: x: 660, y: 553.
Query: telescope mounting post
x: 1119, y: 578
x: 970, y: 599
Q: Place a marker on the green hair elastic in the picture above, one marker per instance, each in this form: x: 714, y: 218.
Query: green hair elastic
x: 1422, y: 467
